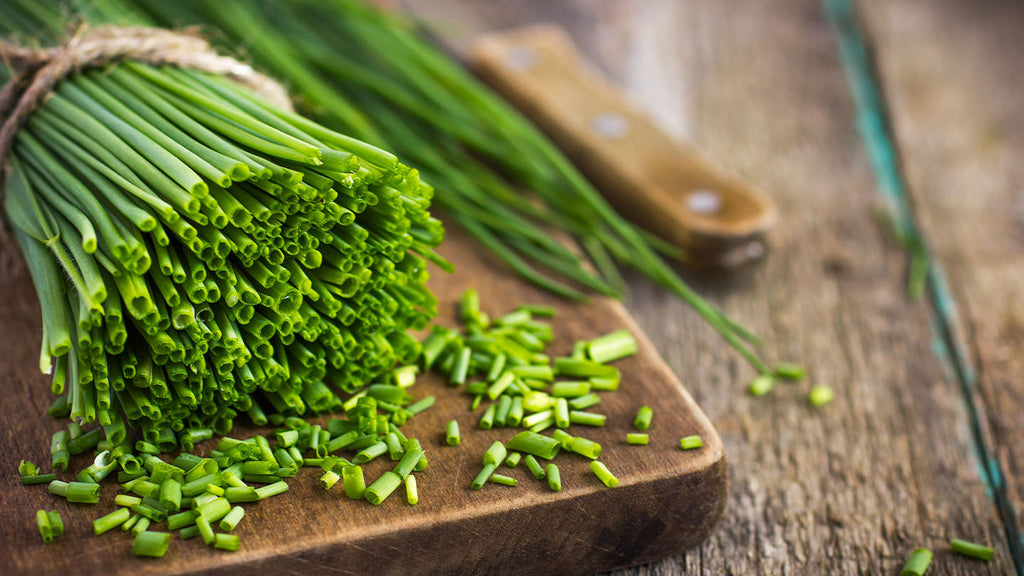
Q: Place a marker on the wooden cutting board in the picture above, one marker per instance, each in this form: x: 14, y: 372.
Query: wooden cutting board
x: 668, y: 500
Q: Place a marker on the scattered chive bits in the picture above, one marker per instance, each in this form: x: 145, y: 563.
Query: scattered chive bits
x: 503, y: 480
x: 50, y: 525
x: 691, y: 442
x: 790, y: 371
x: 635, y: 439
x: 452, y: 437
x: 152, y: 544
x: 820, y: 395
x: 603, y: 474
x: 965, y: 548
x: 643, y: 418
x: 918, y: 562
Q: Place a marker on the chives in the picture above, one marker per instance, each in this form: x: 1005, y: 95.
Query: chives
x: 534, y: 467
x: 382, y: 488
x: 789, y: 371
x: 611, y: 347
x: 554, y: 477
x: 638, y: 439
x: 513, y: 459
x: 482, y: 476
x: 918, y: 563
x: 79, y: 492
x: 329, y: 479
x: 227, y: 542
x: 503, y: 480
x: 181, y: 520
x: 643, y: 418
x: 691, y: 442
x: 561, y: 413
x: 536, y: 444
x: 231, y: 520
x: 761, y: 385
x: 585, y: 447
x: 495, y: 454
x: 603, y: 474
x: 38, y: 479
x: 50, y: 525
x: 411, y: 493
x: 110, y: 521
x: 487, y: 420
x: 126, y: 500
x: 452, y: 437
x: 971, y: 549
x: 584, y: 402
x: 587, y: 418
x: 583, y: 368
x: 151, y: 544
x: 355, y: 486
x: 820, y: 395
x: 570, y: 389
x: 274, y: 489
x: 205, y: 530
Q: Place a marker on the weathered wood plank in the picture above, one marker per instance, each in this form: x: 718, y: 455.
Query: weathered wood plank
x: 889, y: 465
x: 952, y: 76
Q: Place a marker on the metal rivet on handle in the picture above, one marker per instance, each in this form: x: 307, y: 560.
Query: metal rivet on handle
x: 610, y: 125
x: 705, y: 202
x: 521, y: 58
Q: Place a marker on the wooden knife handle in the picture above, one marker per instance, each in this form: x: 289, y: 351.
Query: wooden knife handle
x: 662, y: 185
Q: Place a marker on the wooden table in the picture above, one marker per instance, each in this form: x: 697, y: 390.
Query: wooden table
x: 923, y: 441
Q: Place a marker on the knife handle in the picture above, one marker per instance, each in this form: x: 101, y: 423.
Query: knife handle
x: 664, y: 186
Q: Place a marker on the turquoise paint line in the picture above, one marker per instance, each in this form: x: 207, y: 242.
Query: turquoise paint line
x: 873, y: 124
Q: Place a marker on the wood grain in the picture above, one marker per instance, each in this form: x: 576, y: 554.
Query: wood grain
x: 960, y: 130
x: 889, y: 465
x: 668, y: 500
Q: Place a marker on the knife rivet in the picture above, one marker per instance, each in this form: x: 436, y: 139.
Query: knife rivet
x: 704, y: 202
x: 521, y: 58
x: 610, y: 125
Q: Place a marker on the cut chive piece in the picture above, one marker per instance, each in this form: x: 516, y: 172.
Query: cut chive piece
x: 604, y: 384
x: 554, y: 477
x: 487, y: 420
x: 563, y: 437
x: 534, y: 467
x: 561, y: 413
x: 50, y: 525
x: 451, y: 434
x: 227, y: 542
x: 691, y: 442
x: 421, y: 405
x: 513, y: 459
x: 789, y: 371
x: 821, y: 395
x: 536, y: 444
x: 570, y: 389
x: 482, y: 476
x: 151, y: 544
x: 274, y: 489
x: 29, y: 480
x: 584, y: 402
x: 584, y: 368
x: 205, y: 530
x: 965, y: 548
x: 585, y: 447
x: 643, y: 418
x: 587, y: 418
x: 605, y: 475
x: 761, y: 385
x: 918, y: 563
x: 355, y: 485
x: 503, y: 480
x: 329, y: 479
x: 637, y: 439
x: 382, y: 488
x: 110, y: 521
x: 411, y: 493
x: 611, y: 347
x: 495, y: 454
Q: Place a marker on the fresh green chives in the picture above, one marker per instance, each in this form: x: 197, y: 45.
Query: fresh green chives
x: 503, y: 480
x: 452, y: 437
x: 495, y: 454
x: 536, y: 444
x: 231, y: 520
x: 587, y: 418
x: 151, y: 544
x: 965, y: 548
x: 611, y: 347
x: 534, y: 467
x: 483, y: 476
x: 50, y: 525
x: 110, y: 521
x: 383, y: 487
x: 227, y: 542
x: 554, y: 477
x: 411, y: 493
x: 636, y: 439
x: 603, y: 474
x: 821, y: 395
x: 761, y: 385
x: 643, y: 418
x: 691, y: 442
x: 790, y: 371
x: 918, y: 562
x: 513, y: 459
x: 355, y: 485
x: 585, y: 447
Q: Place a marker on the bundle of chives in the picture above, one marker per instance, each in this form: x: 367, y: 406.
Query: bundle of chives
x: 369, y: 73
x: 200, y: 252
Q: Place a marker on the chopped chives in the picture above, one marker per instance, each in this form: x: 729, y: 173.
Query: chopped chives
x: 370, y: 452
x: 584, y: 402
x: 536, y: 444
x: 495, y: 454
x: 917, y: 563
x: 561, y: 413
x: 229, y: 522
x: 274, y: 489
x: 537, y: 417
x: 395, y: 449
x: 513, y: 459
x: 563, y: 437
x: 585, y: 447
x: 501, y: 412
x: 515, y: 412
x: 487, y: 420
x: 604, y: 384
x: 605, y: 475
x: 329, y: 479
x: 189, y: 532
x: 691, y: 442
x: 611, y: 347
x: 421, y: 405
x: 38, y: 479
x: 503, y: 480
x: 637, y: 439
x: 587, y: 418
x: 50, y: 525
x: 181, y: 519
x: 382, y: 488
x: 452, y: 437
x: 227, y: 542
x: 554, y: 477
x: 534, y: 467
x: 205, y: 530
x: 151, y: 544
x: 411, y: 493
x: 141, y: 525
x: 971, y: 549
x: 355, y: 485
x: 584, y: 368
x: 483, y: 476
x: 789, y: 371
x: 643, y: 418
x: 821, y: 395
x: 110, y: 521
x: 761, y: 385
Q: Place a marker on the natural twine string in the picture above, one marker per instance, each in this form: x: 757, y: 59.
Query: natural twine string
x: 37, y: 71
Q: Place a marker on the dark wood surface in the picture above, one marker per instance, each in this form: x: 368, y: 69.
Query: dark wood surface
x: 891, y: 464
x: 668, y: 500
